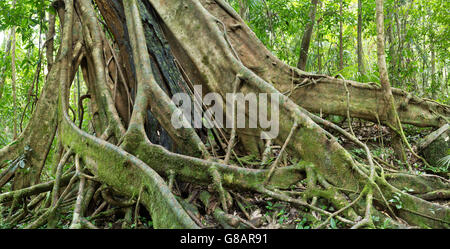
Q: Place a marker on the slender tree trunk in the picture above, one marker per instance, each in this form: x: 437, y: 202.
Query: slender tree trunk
x: 398, y: 61
x: 411, y: 78
x: 269, y: 16
x: 434, y: 85
x: 13, y: 76
x: 424, y: 61
x: 307, y: 36
x: 3, y: 70
x: 445, y: 79
x: 319, y: 49
x: 392, y: 115
x: 361, y: 68
x: 6, y: 44
x: 341, y: 46
x: 50, y: 39
x: 244, y: 9
x: 392, y: 52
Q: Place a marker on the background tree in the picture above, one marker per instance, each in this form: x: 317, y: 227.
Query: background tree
x: 307, y: 36
x: 391, y: 111
x: 341, y: 45
x: 361, y: 68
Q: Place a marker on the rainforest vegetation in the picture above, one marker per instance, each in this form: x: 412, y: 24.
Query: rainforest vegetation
x: 86, y: 100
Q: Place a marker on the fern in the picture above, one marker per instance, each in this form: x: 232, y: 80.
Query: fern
x: 444, y: 162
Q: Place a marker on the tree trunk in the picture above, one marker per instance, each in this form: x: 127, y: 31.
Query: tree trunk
x: 269, y: 17
x: 341, y: 45
x: 118, y: 151
x: 244, y: 10
x: 50, y: 40
x: 391, y: 111
x: 392, y: 52
x: 434, y: 85
x: 306, y: 40
x: 361, y: 68
x: 401, y: 33
x: 3, y: 70
x: 13, y: 79
x: 319, y: 46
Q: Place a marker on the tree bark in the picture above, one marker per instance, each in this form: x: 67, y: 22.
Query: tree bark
x: 50, y: 40
x: 124, y: 158
x: 361, y: 68
x: 391, y: 111
x: 3, y: 70
x: 244, y: 10
x: 341, y: 45
x: 306, y: 40
x: 13, y: 79
x: 434, y: 84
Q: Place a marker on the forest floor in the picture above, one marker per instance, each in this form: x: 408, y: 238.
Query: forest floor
x: 257, y: 210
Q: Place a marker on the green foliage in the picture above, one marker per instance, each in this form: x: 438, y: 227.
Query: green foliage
x: 282, y: 216
x: 26, y: 15
x: 386, y: 224
x: 271, y: 206
x: 444, y: 163
x: 302, y: 224
x: 333, y: 223
x: 396, y: 201
x: 413, y: 30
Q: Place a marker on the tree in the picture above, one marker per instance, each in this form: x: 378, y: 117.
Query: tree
x: 13, y: 74
x: 341, y: 42
x: 243, y: 9
x: 7, y: 50
x: 307, y: 36
x: 361, y: 68
x: 157, y: 58
x: 391, y: 111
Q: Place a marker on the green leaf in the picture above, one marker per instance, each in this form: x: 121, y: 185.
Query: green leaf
x: 333, y: 223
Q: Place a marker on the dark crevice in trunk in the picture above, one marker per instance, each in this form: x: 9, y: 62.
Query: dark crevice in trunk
x: 163, y: 64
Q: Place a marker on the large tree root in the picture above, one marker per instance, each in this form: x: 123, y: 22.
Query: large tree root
x: 311, y: 142
x: 121, y: 155
x: 321, y: 93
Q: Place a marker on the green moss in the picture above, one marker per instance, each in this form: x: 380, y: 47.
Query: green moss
x: 127, y: 174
